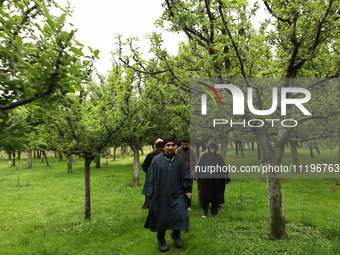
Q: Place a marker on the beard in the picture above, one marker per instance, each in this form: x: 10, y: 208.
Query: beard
x: 169, y: 152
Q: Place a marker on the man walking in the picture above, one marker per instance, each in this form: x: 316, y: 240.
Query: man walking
x: 166, y: 184
x: 147, y: 162
x: 212, y: 187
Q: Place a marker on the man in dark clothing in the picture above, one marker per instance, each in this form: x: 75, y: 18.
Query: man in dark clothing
x: 189, y: 156
x: 167, y: 182
x: 198, y: 181
x: 212, y: 188
x: 147, y: 162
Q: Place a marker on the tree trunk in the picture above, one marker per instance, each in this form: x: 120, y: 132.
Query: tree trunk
x: 87, y: 207
x: 224, y: 146
x: 241, y: 148
x: 114, y: 153
x: 41, y: 156
x: 45, y: 156
x: 60, y: 156
x: 13, y: 160
x: 258, y: 151
x: 317, y: 149
x: 276, y: 212
x: 293, y: 147
x: 271, y: 157
x: 236, y: 148
x: 19, y: 174
x: 29, y: 159
x: 135, y: 181
x: 97, y: 160
x: 69, y: 164
x: 252, y: 146
x: 311, y: 151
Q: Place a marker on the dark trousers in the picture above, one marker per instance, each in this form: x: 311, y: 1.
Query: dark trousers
x: 188, y: 201
x: 214, y: 208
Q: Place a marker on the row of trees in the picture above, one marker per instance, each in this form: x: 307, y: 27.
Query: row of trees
x: 301, y: 39
x: 51, y: 99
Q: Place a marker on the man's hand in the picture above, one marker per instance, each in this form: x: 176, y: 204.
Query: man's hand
x: 188, y: 195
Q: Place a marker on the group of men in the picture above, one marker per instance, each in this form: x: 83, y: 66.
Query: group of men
x: 168, y: 185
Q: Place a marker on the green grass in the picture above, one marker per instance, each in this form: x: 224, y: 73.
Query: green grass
x: 44, y: 214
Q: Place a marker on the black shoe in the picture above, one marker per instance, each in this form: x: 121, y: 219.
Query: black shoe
x: 178, y: 241
x: 163, y: 247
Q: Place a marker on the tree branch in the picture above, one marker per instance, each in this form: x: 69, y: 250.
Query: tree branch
x: 291, y: 69
x: 51, y: 87
x: 304, y: 118
x: 276, y: 16
x: 318, y: 34
x: 316, y: 40
x: 167, y: 102
x: 316, y: 83
x: 233, y: 42
x: 313, y: 138
x: 173, y: 73
x: 142, y: 71
x: 188, y: 30
x: 211, y: 19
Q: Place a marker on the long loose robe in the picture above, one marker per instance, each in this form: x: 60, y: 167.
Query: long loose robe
x: 166, y: 183
x: 212, y: 188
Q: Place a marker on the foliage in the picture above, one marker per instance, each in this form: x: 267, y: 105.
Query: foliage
x: 224, y: 43
x: 40, y: 60
x: 87, y: 123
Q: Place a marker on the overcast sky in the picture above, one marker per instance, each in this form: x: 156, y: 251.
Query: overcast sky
x: 98, y: 22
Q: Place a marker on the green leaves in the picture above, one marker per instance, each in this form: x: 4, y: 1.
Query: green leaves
x: 40, y: 60
x: 61, y: 20
x: 94, y: 52
x: 42, y: 57
x: 19, y: 42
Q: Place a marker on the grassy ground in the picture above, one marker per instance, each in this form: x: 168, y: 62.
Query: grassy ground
x: 44, y: 215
